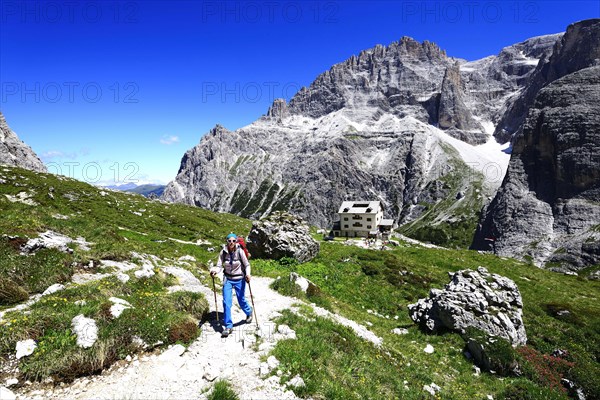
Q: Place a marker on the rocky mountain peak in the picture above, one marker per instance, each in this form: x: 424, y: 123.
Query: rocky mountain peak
x: 16, y: 153
x: 278, y: 110
x: 387, y: 78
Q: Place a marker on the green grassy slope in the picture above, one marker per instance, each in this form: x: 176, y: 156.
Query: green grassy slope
x: 121, y: 227
x: 375, y: 287
x: 370, y: 287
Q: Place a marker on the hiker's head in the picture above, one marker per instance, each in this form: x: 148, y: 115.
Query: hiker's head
x: 231, y: 240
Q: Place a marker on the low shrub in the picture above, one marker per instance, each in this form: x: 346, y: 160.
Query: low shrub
x: 192, y: 303
x: 11, y: 292
x: 544, y: 369
x: 184, y: 331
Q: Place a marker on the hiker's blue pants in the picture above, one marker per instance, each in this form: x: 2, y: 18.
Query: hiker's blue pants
x: 240, y: 291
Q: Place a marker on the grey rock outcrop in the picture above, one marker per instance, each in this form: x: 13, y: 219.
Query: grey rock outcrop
x: 577, y: 49
x: 453, y: 115
x: 548, y: 208
x: 282, y: 235
x: 15, y: 153
x: 478, y: 299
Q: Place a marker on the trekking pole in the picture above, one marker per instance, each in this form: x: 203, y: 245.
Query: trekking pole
x: 253, y: 307
x: 215, y: 293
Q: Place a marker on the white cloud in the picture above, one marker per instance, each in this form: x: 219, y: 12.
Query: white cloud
x: 52, y: 154
x: 169, y: 139
x: 57, y: 154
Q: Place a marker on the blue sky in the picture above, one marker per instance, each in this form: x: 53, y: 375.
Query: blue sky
x: 116, y: 91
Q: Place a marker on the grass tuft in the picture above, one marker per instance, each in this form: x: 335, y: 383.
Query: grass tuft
x: 222, y: 391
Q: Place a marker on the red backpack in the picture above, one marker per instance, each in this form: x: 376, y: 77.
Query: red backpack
x: 242, y: 243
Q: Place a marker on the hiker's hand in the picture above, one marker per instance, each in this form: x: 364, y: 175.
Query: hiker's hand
x: 213, y: 273
x: 248, y: 278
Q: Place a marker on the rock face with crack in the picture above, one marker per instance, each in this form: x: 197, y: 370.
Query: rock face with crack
x: 548, y: 206
x: 282, y: 235
x: 478, y: 299
x: 16, y: 153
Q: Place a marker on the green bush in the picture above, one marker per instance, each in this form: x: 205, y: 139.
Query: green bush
x: 11, y: 292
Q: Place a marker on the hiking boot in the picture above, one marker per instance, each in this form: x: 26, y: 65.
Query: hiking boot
x: 249, y: 319
x: 226, y: 332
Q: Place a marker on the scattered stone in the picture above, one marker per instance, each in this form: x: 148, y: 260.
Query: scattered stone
x: 272, y: 362
x: 6, y: 394
x: 429, y: 349
x: 300, y: 281
x: 57, y: 287
x: 22, y: 197
x: 173, y: 352
x: 123, y: 277
x: 25, y: 348
x: 400, y: 331
x: 187, y: 258
x: 80, y: 303
x: 145, y: 272
x: 81, y: 278
x: 121, y: 266
x: 11, y: 382
x: 286, y: 331
x: 187, y: 281
x: 264, y: 369
x: 594, y: 276
x: 86, y: 331
x: 296, y: 382
x: 119, y: 305
x: 431, y: 389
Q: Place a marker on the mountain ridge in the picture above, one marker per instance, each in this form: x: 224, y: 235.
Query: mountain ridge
x: 367, y: 127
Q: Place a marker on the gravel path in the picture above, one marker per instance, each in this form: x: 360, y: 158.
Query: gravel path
x: 178, y: 373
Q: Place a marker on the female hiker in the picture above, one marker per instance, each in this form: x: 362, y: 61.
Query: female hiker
x: 236, y: 272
